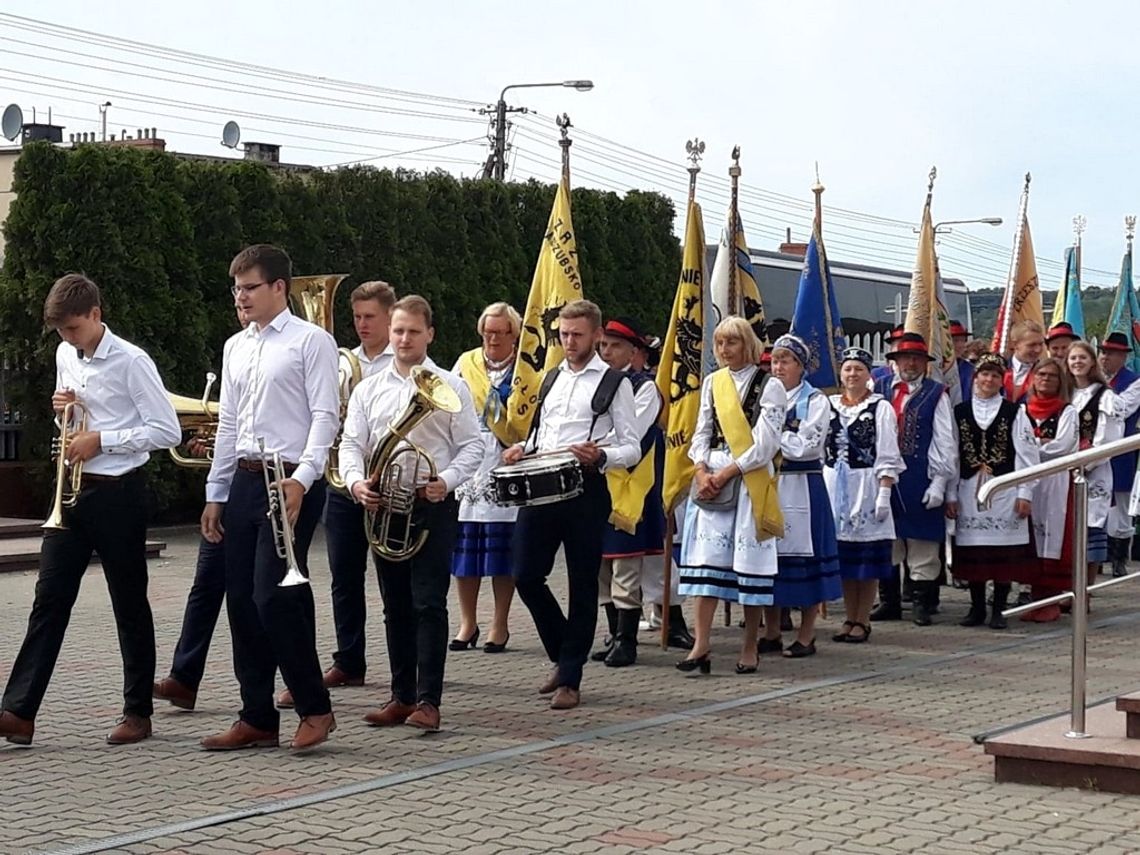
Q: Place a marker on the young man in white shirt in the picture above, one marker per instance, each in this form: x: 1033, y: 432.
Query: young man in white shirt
x: 279, y: 388
x: 414, y: 589
x: 128, y: 416
x: 566, y: 421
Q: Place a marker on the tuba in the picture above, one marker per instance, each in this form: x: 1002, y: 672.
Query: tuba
x: 390, y: 530
x: 68, y: 477
x: 312, y: 298
x: 198, y: 418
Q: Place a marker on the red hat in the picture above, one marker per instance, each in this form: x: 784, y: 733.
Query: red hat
x: 1117, y: 341
x: 628, y: 329
x: 1062, y: 330
x: 766, y: 356
x: 956, y: 329
x: 910, y: 343
x: 896, y: 333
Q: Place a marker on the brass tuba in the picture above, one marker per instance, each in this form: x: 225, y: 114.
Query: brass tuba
x: 312, y: 298
x: 198, y: 418
x: 68, y: 477
x: 390, y: 530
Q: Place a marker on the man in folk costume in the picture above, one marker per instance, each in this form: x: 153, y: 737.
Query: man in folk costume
x: 636, y: 527
x: 961, y: 337
x: 1058, y: 339
x: 926, y: 443
x: 1114, y: 351
x: 885, y: 371
x: 1028, y: 342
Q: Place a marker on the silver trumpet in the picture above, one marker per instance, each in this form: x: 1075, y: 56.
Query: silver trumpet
x: 274, y: 472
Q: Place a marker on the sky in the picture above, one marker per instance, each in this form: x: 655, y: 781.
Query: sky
x: 876, y: 92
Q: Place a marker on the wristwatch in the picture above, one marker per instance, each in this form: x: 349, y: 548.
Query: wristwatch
x: 601, y: 463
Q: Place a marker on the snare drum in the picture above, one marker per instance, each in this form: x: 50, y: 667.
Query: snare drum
x: 541, y: 481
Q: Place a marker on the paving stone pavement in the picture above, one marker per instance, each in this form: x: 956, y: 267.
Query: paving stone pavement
x: 862, y: 748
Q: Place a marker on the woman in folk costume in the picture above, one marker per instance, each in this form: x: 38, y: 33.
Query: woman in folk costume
x: 1099, y: 420
x: 483, y: 547
x: 1054, y: 422
x: 808, y: 556
x: 728, y: 551
x: 862, y: 464
x: 995, y: 437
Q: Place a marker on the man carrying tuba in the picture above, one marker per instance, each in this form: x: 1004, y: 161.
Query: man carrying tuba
x: 432, y: 447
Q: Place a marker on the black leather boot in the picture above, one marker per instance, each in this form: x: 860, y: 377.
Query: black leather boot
x: 976, y: 616
x: 890, y: 599
x: 922, y: 601
x: 624, y: 651
x: 679, y: 635
x: 608, y: 641
x: 1001, y: 597
x: 1118, y: 554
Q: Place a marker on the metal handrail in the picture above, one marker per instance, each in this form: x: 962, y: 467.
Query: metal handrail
x: 1075, y: 463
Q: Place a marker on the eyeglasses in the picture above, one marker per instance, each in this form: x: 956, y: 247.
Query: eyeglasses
x: 495, y: 333
x: 246, y: 289
x: 1048, y: 375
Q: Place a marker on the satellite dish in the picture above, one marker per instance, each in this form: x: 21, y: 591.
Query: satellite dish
x: 231, y: 133
x: 13, y: 121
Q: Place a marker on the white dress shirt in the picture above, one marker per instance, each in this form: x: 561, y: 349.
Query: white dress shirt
x: 942, y: 456
x: 279, y: 382
x: 125, y: 400
x: 378, y: 363
x: 1127, y: 398
x: 567, y: 415
x: 451, y: 440
x: 646, y: 406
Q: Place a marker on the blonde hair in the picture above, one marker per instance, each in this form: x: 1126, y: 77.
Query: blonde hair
x: 735, y: 326
x: 1095, y: 375
x: 501, y: 310
x: 1022, y: 328
x: 377, y: 290
x: 582, y: 309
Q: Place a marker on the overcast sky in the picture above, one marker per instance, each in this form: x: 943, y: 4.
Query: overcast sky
x: 876, y: 92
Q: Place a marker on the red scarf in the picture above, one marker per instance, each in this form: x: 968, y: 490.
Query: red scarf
x: 1041, y: 408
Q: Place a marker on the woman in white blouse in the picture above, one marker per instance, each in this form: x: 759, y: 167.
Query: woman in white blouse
x: 722, y: 556
x: 861, y: 464
x: 1098, y: 421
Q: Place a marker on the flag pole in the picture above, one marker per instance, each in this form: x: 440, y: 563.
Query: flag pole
x: 1079, y: 224
x: 565, y: 142
x: 818, y: 189
x: 734, y: 299
x: 1005, y: 314
x: 695, y: 150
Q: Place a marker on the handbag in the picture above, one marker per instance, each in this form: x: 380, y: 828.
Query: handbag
x: 724, y: 500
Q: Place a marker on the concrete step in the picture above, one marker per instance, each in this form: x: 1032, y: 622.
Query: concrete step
x: 1041, y: 753
x: 1130, y: 706
x: 23, y: 552
x: 15, y: 527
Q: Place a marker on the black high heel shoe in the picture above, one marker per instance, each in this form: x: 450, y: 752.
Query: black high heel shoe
x: 702, y: 662
x: 495, y: 647
x: 464, y: 643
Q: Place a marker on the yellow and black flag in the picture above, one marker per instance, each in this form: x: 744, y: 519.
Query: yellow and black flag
x: 556, y: 282
x: 679, y: 374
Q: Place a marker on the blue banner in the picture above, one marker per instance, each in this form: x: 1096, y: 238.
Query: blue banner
x: 816, y: 317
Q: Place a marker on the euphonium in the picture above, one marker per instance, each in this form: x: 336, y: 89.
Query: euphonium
x: 197, y: 417
x: 313, y: 300
x: 390, y: 530
x: 273, y: 470
x: 68, y: 477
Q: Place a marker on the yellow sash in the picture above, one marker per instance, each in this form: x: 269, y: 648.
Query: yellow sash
x: 473, y: 369
x: 761, y: 486
x: 628, y: 489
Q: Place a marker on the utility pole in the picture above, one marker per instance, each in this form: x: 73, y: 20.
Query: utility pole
x: 496, y: 164
x: 103, y: 114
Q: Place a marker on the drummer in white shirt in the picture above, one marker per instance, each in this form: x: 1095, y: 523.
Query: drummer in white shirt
x: 414, y: 590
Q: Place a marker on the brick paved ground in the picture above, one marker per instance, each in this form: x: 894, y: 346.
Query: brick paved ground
x: 863, y: 748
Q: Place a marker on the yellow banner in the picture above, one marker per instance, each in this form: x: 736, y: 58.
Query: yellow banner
x: 556, y: 282
x: 927, y: 314
x: 1022, y: 299
x: 679, y: 374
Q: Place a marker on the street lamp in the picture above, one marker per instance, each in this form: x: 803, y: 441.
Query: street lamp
x: 986, y: 221
x: 103, y: 115
x: 499, y: 155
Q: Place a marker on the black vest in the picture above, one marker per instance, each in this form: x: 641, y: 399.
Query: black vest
x: 750, y: 405
x: 861, y: 438
x: 992, y: 447
x: 1088, y: 418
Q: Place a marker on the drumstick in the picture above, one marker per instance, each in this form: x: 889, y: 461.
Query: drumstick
x: 536, y: 454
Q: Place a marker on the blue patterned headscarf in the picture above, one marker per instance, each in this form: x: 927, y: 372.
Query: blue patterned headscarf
x: 859, y: 355
x: 795, y: 345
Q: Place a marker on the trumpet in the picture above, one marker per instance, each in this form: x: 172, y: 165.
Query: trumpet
x: 273, y: 470
x: 68, y: 476
x: 199, y: 418
x: 391, y: 532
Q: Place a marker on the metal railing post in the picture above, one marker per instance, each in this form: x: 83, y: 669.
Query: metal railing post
x: 1080, y: 602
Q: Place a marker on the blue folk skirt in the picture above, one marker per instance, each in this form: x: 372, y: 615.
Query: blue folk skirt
x: 1098, y: 545
x: 804, y: 580
x: 861, y: 561
x: 482, y: 549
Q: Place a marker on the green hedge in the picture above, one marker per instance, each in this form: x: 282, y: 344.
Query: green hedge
x: 157, y: 232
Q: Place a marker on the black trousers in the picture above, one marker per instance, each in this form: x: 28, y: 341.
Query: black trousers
x: 203, y: 605
x: 577, y: 525
x: 272, y: 627
x: 109, y: 518
x: 348, y: 565
x: 415, y: 605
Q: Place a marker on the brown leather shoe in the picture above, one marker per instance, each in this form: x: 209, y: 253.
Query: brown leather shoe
x: 312, y: 731
x: 169, y: 689
x: 18, y: 731
x: 129, y: 730
x: 335, y: 677
x: 426, y: 717
x: 565, y: 698
x: 240, y: 735
x: 551, y: 682
x: 285, y: 700
x: 389, y: 715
